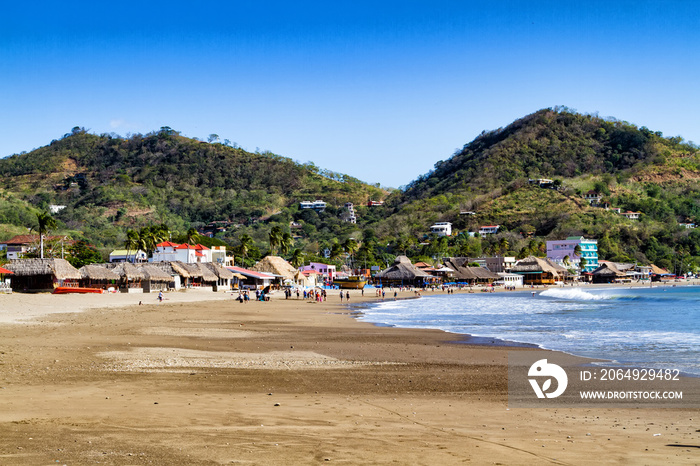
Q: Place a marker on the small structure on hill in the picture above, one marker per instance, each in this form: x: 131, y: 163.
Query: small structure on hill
x: 42, y: 274
x: 403, y: 273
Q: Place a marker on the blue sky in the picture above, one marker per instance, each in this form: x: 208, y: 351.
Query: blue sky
x: 379, y: 90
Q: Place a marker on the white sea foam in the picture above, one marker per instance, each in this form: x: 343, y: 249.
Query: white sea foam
x: 574, y: 294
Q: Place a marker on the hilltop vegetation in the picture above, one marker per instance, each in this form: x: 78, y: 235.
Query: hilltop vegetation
x: 110, y: 184
x: 634, y: 168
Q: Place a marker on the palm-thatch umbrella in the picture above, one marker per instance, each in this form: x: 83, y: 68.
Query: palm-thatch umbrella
x: 94, y: 275
x: 42, y: 274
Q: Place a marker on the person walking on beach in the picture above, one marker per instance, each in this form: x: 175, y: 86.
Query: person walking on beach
x: 341, y: 296
x: 347, y: 296
x: 160, y: 296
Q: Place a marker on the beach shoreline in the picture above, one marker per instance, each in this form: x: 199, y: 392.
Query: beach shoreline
x: 213, y: 381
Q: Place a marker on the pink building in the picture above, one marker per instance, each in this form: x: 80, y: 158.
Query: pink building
x: 327, y: 271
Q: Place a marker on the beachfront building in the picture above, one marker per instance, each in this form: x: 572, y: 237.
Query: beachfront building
x: 403, y: 273
x: 513, y: 280
x: 562, y: 251
x: 327, y: 271
x: 463, y: 273
x: 189, y: 253
x: 442, y: 229
x: 42, y: 274
x: 488, y: 230
x: 539, y: 271
x: 277, y: 266
x: 608, y: 273
x: 497, y: 264
x: 96, y: 276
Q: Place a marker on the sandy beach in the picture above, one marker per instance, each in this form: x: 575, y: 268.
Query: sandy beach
x: 203, y: 379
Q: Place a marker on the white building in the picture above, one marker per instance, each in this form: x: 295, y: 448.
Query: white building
x: 442, y: 229
x: 122, y: 255
x: 352, y: 218
x: 317, y: 205
x: 188, y: 253
x: 489, y: 230
x: 511, y: 279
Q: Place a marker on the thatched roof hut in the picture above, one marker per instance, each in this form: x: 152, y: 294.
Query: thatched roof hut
x: 403, y: 273
x: 219, y: 271
x: 538, y: 271
x: 201, y: 270
x: 96, y: 272
x: 41, y: 274
x: 155, y: 274
x: 59, y: 268
x: 178, y: 268
x: 129, y: 271
x: 276, y: 265
x: 607, y: 273
x: 464, y: 273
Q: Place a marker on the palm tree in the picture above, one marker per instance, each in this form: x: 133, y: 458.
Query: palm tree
x: 297, y: 258
x: 504, y: 245
x: 336, y: 251
x: 131, y: 242
x: 286, y: 243
x: 245, y: 246
x: 275, y: 238
x: 46, y: 223
x: 192, y: 236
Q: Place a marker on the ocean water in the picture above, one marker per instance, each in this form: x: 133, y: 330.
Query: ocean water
x: 642, y: 327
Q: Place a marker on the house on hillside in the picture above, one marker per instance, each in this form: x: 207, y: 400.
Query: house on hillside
x: 441, y: 229
x: 489, y: 230
x: 632, y: 215
x: 21, y: 245
x: 593, y: 197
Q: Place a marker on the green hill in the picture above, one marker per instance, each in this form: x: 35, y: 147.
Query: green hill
x: 634, y: 168
x: 110, y: 184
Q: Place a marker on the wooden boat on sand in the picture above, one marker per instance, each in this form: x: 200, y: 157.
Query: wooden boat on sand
x: 70, y: 289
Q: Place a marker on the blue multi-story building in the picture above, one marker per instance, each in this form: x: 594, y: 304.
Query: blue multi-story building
x: 558, y: 250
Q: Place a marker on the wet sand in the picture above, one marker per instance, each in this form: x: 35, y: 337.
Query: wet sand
x: 203, y: 379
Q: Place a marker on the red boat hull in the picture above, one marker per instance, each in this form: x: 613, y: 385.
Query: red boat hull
x: 68, y: 289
